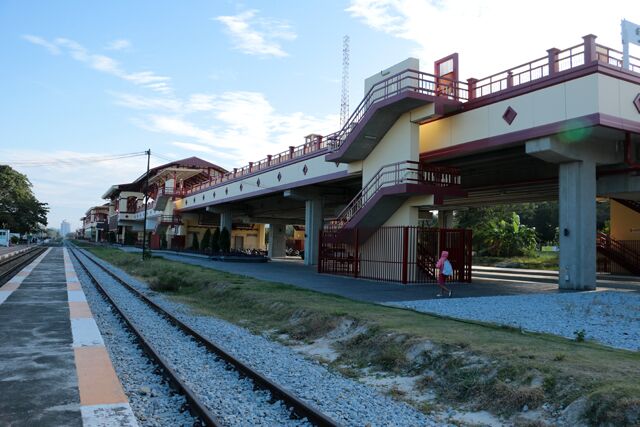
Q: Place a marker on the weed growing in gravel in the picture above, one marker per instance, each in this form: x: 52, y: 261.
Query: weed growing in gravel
x: 580, y: 335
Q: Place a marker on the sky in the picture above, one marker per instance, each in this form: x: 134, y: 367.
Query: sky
x: 84, y: 82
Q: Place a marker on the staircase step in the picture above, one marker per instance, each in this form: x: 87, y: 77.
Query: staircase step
x: 521, y: 275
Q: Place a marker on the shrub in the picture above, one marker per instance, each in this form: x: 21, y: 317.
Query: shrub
x: 215, y: 241
x: 206, y: 241
x: 195, y: 246
x: 14, y: 240
x: 225, y: 240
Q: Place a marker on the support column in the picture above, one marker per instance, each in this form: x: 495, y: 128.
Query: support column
x: 277, y: 240
x: 226, y: 220
x: 312, y: 226
x: 261, y: 237
x: 577, y: 225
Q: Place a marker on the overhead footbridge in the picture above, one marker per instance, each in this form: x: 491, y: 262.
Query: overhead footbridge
x: 564, y: 127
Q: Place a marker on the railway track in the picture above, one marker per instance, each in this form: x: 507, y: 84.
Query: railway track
x: 298, y: 408
x: 12, y: 265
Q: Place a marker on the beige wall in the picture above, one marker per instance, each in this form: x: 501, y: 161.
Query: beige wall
x: 625, y: 222
x: 291, y: 175
x: 575, y: 98
x: 400, y: 143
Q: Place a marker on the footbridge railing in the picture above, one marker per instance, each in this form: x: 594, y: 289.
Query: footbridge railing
x: 406, y: 172
x: 404, y: 81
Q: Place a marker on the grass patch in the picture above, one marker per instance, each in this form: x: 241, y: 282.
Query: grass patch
x: 483, y: 365
x: 539, y: 261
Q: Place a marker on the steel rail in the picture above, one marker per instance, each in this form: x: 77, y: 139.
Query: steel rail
x: 196, y: 406
x: 24, y: 259
x: 300, y: 408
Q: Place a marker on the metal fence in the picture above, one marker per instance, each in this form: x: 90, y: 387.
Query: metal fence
x: 395, y: 254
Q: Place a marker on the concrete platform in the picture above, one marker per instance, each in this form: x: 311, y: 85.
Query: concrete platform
x: 6, y: 252
x: 294, y: 272
x: 54, y: 368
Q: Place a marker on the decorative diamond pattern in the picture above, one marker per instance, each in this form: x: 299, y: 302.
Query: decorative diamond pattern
x: 241, y: 187
x: 258, y: 182
x: 509, y: 115
x: 214, y: 194
x: 305, y: 169
x: 226, y: 190
x: 636, y: 102
x: 279, y: 176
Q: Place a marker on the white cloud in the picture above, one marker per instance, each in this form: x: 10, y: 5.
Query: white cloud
x: 118, y: 44
x: 137, y: 102
x: 105, y: 64
x: 52, y: 48
x: 254, y: 35
x: 491, y: 35
x: 177, y: 126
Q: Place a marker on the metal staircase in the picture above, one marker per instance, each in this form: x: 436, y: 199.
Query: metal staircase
x: 389, y: 188
x: 618, y: 253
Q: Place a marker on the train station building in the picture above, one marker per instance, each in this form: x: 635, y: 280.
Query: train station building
x: 563, y: 127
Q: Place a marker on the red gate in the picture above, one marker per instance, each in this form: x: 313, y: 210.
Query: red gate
x: 396, y: 254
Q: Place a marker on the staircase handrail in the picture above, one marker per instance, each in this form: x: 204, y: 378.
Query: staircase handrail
x: 394, y: 174
x: 607, y: 242
x: 418, y: 81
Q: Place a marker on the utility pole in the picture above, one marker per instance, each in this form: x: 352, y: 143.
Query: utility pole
x: 146, y: 200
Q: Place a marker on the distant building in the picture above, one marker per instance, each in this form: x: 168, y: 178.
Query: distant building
x: 65, y: 228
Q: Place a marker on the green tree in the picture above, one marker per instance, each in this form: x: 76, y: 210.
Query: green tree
x: 206, y: 240
x: 195, y: 245
x: 225, y: 240
x: 215, y: 241
x: 20, y: 211
x: 508, y: 237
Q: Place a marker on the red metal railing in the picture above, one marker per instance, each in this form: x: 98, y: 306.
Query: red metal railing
x: 618, y: 252
x: 614, y: 57
x: 317, y: 146
x: 394, y: 174
x: 171, y: 191
x: 395, y: 254
x: 404, y: 81
x: 170, y: 219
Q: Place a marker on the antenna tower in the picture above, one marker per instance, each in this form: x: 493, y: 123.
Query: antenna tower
x: 344, y: 100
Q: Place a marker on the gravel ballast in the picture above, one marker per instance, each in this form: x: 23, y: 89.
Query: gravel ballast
x: 346, y: 401
x: 610, y: 318
x: 152, y: 400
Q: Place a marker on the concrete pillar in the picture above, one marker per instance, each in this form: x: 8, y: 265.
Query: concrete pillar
x: 312, y: 226
x: 226, y: 220
x: 445, y: 219
x: 577, y: 200
x: 277, y: 240
x: 261, y: 237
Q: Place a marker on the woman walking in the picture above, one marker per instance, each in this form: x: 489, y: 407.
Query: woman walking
x: 446, y: 270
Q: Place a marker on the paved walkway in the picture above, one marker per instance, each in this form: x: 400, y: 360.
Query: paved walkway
x: 295, y: 273
x: 54, y: 368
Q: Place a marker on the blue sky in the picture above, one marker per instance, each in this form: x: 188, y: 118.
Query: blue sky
x: 230, y: 81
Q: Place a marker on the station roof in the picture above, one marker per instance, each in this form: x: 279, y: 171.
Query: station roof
x: 186, y: 168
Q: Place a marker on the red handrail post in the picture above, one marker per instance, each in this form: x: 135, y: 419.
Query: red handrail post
x: 405, y: 254
x: 320, y: 252
x: 356, y: 261
x: 291, y: 150
x: 552, y: 58
x: 590, y: 53
x: 471, y: 88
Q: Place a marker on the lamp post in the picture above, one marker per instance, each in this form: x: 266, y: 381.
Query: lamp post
x: 146, y: 200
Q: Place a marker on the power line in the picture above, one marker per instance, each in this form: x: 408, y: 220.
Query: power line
x: 68, y: 161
